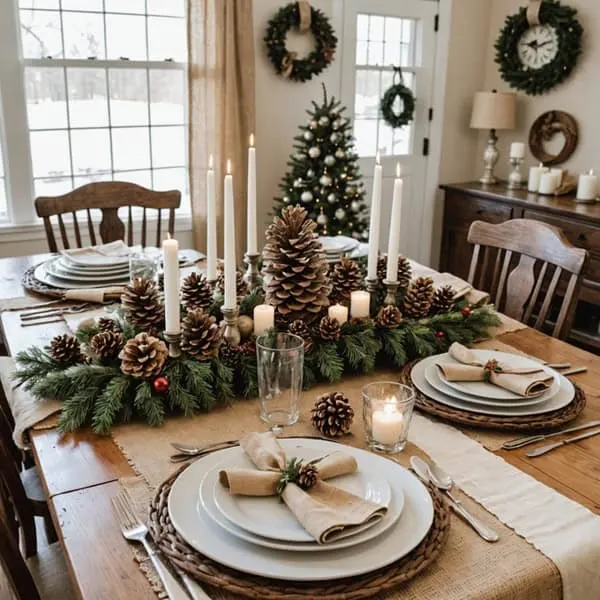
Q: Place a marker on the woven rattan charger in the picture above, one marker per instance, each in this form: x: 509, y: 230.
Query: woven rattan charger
x: 184, y: 558
x: 549, y: 420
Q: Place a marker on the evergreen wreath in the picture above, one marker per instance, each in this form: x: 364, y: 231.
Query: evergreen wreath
x: 537, y: 81
x: 287, y: 63
x: 398, y: 90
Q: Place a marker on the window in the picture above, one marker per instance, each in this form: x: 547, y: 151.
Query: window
x: 2, y: 183
x: 381, y: 44
x: 105, y: 90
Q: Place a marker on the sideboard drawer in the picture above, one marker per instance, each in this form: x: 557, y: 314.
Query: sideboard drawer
x: 462, y: 210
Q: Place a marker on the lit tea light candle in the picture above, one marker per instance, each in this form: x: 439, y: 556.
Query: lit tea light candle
x: 388, y: 424
x: 264, y: 318
x: 338, y: 312
x: 359, y: 304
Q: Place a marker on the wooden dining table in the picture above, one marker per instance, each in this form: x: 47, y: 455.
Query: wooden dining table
x: 80, y: 471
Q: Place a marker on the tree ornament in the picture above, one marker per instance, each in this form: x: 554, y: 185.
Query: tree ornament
x: 407, y: 98
x: 314, y: 152
x: 418, y: 298
x: 286, y: 199
x: 389, y: 317
x: 108, y: 324
x: 310, y: 173
x: 196, y: 292
x: 336, y: 124
x: 200, y: 335
x: 346, y: 278
x: 301, y: 329
x: 332, y: 414
x: 306, y: 196
x: 325, y: 180
x: 443, y: 299
x: 339, y: 153
x: 294, y: 259
x: 240, y: 284
x: 331, y: 198
x: 324, y: 121
x: 329, y: 160
x: 106, y: 345
x: 65, y: 349
x: 322, y: 218
x: 143, y: 356
x: 308, y: 136
x: 466, y: 312
x: 329, y: 329
x: 340, y: 214
x: 354, y: 206
x: 404, y: 270
x: 312, y: 124
x: 298, y: 183
x: 142, y: 304
x: 334, y: 137
x: 160, y: 384
x: 246, y: 326
x: 440, y: 335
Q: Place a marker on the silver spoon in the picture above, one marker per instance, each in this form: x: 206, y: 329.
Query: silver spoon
x: 193, y: 450
x: 434, y: 474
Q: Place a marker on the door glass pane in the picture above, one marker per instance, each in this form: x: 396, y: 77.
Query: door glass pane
x: 39, y: 4
x: 168, y: 146
x: 167, y: 97
x: 142, y: 178
x: 166, y: 7
x: 50, y: 153
x: 365, y: 132
x: 87, y: 97
x: 375, y: 53
x: 126, y: 37
x: 128, y: 96
x: 171, y: 179
x: 91, y: 151
x: 125, y: 6
x: 41, y: 34
x: 366, y: 103
x: 45, y: 90
x: 53, y: 186
x: 166, y: 39
x: 376, y: 28
x: 131, y: 148
x: 385, y: 139
x: 93, y: 5
x: 84, y: 35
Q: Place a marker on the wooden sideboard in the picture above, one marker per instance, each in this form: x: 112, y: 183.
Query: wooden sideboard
x: 468, y: 202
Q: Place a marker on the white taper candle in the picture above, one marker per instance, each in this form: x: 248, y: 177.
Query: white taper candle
x: 252, y: 244
x: 394, y: 239
x: 230, y: 300
x: 211, y: 223
x: 375, y: 220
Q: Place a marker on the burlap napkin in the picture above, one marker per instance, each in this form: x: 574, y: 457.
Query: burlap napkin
x: 525, y: 381
x: 325, y: 511
x: 95, y: 294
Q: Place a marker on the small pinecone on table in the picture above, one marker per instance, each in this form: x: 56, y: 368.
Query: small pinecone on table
x: 143, y: 356
x: 346, y: 278
x: 230, y: 355
x: 196, y: 292
x: 404, y: 270
x: 240, y: 285
x: 332, y: 414
x: 389, y: 317
x: 200, y: 335
x: 443, y: 299
x: 108, y: 324
x: 329, y: 329
x: 307, y: 476
x: 418, y: 298
x: 300, y: 328
x: 107, y: 344
x: 65, y: 349
x: 142, y: 304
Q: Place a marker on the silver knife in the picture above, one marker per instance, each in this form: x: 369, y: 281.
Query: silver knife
x: 194, y: 589
x: 532, y: 439
x: 549, y: 447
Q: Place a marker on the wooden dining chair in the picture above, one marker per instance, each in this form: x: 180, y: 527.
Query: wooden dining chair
x: 108, y: 197
x: 529, y: 259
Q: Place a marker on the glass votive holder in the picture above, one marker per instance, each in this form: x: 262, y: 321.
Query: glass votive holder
x: 144, y: 263
x: 387, y: 411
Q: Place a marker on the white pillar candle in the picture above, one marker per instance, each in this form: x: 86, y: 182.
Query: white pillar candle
x: 394, y: 239
x: 211, y: 223
x: 359, y: 304
x: 264, y: 318
x: 517, y: 150
x: 374, y: 224
x: 547, y: 184
x: 535, y: 174
x: 170, y: 249
x: 388, y: 425
x: 339, y: 312
x: 230, y: 300
x: 587, y: 187
x: 252, y: 244
x: 558, y: 175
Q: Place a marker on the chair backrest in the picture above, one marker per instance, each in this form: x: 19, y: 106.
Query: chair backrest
x: 530, y: 258
x: 108, y: 197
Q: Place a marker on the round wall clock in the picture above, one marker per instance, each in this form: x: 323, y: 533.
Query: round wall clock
x: 539, y: 46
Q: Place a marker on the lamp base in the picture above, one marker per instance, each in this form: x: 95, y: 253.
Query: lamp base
x: 490, y: 158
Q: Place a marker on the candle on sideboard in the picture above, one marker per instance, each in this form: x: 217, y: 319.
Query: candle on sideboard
x: 394, y: 239
x: 359, y: 304
x: 387, y: 425
x: 587, y: 187
x: 375, y: 219
x: 264, y: 318
x: 535, y: 174
x: 252, y: 244
x: 230, y: 296
x: 170, y: 248
x: 547, y: 184
x: 517, y: 150
x: 558, y: 175
x: 211, y: 223
x: 339, y: 312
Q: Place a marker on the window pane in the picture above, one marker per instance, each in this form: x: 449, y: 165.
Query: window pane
x: 84, y: 35
x: 375, y: 53
x: 91, y: 151
x: 45, y: 90
x: 166, y: 39
x: 53, y: 186
x: 362, y: 27
x: 401, y: 140
x: 126, y: 37
x: 121, y: 6
x: 140, y: 177
x: 392, y: 54
x: 131, y: 148
x: 79, y: 5
x: 376, y: 28
x: 128, y: 97
x: 366, y: 102
x: 385, y: 141
x: 87, y: 97
x: 38, y: 4
x: 2, y: 197
x: 41, y: 34
x: 361, y: 53
x: 393, y: 29
x: 168, y: 147
x: 167, y: 97
x: 365, y: 133
x: 166, y: 7
x: 50, y: 153
x: 171, y: 179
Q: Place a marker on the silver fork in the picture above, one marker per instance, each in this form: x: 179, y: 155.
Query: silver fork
x: 136, y: 531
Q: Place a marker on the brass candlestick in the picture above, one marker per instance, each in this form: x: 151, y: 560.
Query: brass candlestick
x: 232, y: 332
x: 371, y: 286
x: 392, y: 292
x: 251, y: 276
x: 174, y: 342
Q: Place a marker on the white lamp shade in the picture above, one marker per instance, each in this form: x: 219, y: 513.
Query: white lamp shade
x: 494, y: 110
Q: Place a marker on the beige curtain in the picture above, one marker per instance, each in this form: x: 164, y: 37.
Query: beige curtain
x: 221, y: 107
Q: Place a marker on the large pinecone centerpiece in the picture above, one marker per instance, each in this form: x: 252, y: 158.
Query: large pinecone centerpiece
x: 196, y: 292
x: 418, y: 298
x: 143, y: 356
x: 299, y: 286
x: 346, y: 279
x: 142, y: 304
x: 332, y: 414
x: 404, y: 270
x: 65, y: 349
x: 200, y: 335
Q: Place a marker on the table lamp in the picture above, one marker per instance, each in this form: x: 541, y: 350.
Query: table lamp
x: 493, y: 110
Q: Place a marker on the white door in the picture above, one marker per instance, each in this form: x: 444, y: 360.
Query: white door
x: 378, y: 36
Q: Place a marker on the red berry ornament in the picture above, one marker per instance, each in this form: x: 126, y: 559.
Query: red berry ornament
x: 439, y: 335
x: 466, y: 312
x: 160, y: 385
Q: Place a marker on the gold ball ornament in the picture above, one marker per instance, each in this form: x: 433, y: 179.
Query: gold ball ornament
x: 246, y: 326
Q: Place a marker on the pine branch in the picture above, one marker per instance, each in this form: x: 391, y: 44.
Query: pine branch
x: 148, y: 405
x: 86, y: 333
x: 327, y: 361
x: 110, y: 403
x: 248, y: 376
x: 33, y: 364
x: 197, y: 378
x: 251, y: 300
x: 222, y: 381
x: 393, y: 345
x: 76, y: 410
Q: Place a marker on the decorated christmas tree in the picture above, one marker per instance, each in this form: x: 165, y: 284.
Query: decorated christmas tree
x: 323, y: 175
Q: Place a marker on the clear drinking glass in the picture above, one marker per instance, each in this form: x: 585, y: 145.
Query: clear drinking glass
x: 280, y: 358
x: 144, y: 263
x: 387, y: 411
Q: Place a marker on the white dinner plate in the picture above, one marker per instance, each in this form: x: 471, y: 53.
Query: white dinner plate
x: 337, y: 244
x: 562, y: 398
x: 56, y: 269
x: 207, y: 503
x: 436, y: 379
x: 271, y: 518
x: 41, y: 274
x: 63, y: 263
x: 483, y: 389
x: 203, y: 534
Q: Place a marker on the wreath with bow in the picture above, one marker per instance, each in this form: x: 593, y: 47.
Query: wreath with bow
x: 398, y: 90
x: 302, y: 17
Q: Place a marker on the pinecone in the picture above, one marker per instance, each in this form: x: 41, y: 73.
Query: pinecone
x: 200, y: 335
x: 107, y: 344
x: 443, y: 299
x: 329, y: 329
x: 142, y: 304
x: 418, y: 298
x: 300, y: 328
x: 307, y: 476
x: 346, y: 278
x: 108, y: 324
x: 196, y: 292
x: 332, y: 414
x: 65, y: 349
x: 389, y: 317
x: 240, y: 285
x: 404, y: 270
x: 230, y: 355
x: 298, y: 287
x: 143, y: 356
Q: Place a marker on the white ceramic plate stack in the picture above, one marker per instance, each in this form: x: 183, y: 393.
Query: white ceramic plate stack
x: 262, y: 537
x: 335, y: 247
x: 486, y: 398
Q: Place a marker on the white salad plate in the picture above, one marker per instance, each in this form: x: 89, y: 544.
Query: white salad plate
x: 43, y: 274
x: 57, y: 270
x: 204, y: 535
x: 337, y: 244
x: 271, y: 518
x: 64, y: 264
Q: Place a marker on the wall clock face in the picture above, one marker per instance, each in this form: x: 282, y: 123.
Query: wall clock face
x: 538, y: 46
